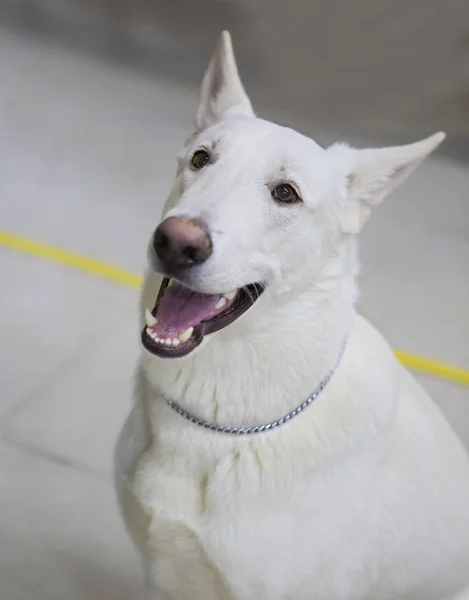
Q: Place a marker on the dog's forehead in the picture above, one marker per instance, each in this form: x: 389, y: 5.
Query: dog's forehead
x: 259, y: 135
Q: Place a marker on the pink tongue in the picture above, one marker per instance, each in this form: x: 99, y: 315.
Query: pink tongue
x: 180, y: 308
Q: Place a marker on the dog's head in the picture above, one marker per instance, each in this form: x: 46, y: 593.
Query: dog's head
x: 255, y: 206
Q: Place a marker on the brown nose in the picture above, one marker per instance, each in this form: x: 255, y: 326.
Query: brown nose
x: 181, y: 243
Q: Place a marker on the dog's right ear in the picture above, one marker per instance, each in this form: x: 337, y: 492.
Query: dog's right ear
x: 222, y: 92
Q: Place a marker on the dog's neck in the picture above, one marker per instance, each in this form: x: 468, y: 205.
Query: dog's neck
x: 262, y: 368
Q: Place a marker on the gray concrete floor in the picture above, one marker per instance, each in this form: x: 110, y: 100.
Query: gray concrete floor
x: 87, y: 153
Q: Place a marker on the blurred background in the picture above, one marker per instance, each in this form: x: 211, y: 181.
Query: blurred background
x: 96, y: 98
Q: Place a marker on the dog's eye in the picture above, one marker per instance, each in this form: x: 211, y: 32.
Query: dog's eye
x: 200, y: 159
x: 285, y: 193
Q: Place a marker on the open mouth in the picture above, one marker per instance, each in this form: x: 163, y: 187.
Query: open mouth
x: 181, y: 317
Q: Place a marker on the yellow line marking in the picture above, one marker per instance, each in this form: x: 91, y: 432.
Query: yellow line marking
x: 433, y: 367
x: 105, y: 271
x: 69, y: 259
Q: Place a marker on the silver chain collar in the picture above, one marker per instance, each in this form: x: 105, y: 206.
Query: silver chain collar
x: 258, y: 428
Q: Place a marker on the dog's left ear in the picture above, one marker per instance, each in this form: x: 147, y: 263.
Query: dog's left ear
x: 222, y: 92
x: 372, y: 174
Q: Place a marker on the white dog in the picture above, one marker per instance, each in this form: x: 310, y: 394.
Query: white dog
x: 276, y: 449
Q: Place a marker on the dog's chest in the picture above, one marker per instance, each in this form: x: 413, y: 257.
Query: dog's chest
x: 232, y: 532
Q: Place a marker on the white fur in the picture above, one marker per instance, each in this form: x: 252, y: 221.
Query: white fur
x: 365, y: 495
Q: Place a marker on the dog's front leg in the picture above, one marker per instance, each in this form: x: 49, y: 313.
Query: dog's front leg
x: 177, y: 568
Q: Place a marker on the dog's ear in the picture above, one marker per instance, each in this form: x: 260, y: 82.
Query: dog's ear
x: 372, y: 174
x: 222, y: 92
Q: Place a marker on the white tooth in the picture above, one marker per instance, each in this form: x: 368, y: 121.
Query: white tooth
x: 221, y: 303
x: 176, y: 342
x: 150, y: 319
x: 168, y: 342
x: 230, y: 295
x: 185, y: 335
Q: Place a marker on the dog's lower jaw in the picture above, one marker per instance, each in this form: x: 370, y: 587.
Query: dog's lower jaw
x: 284, y: 359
